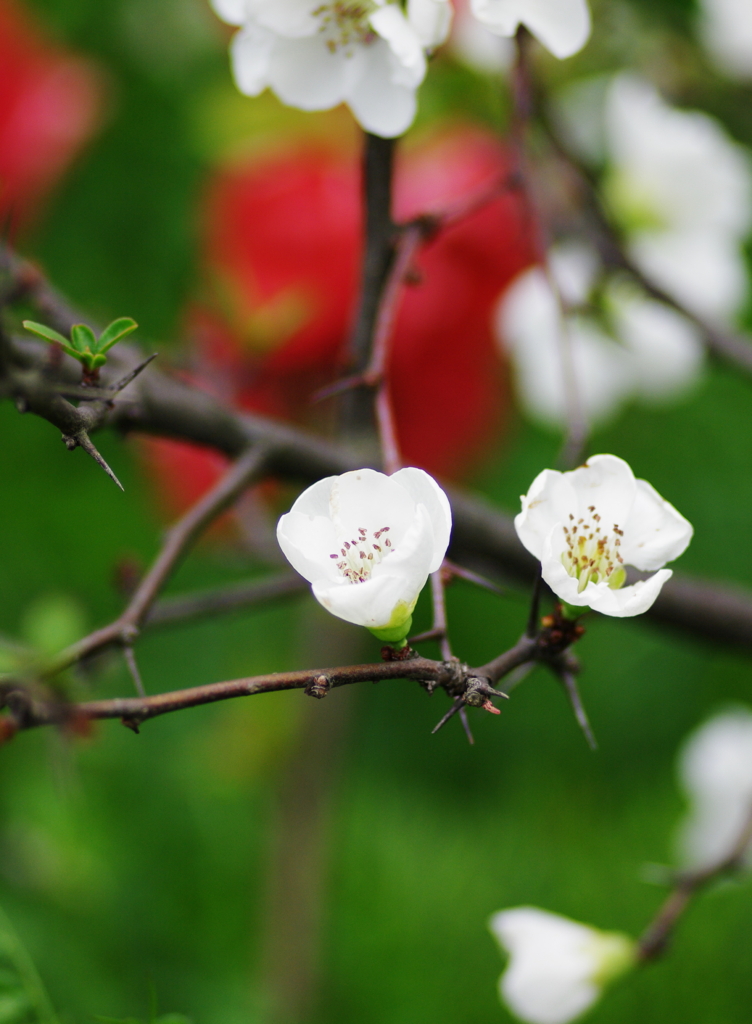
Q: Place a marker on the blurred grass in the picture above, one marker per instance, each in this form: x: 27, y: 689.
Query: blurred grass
x: 127, y: 862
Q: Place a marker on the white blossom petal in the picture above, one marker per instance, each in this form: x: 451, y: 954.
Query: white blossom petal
x: 305, y: 74
x: 431, y: 20
x: 407, y: 59
x: 251, y: 53
x: 703, y: 271
x: 663, y: 533
x: 562, y: 26
x: 530, y: 328
x: 557, y: 967
x: 424, y: 490
x: 715, y: 768
x: 726, y: 30
x: 292, y: 18
x: 234, y: 12
x: 381, y: 105
x: 667, y: 349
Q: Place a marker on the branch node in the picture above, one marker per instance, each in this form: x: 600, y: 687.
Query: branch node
x: 133, y: 724
x: 318, y: 687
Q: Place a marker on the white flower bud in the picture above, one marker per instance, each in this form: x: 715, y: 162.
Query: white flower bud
x: 557, y: 967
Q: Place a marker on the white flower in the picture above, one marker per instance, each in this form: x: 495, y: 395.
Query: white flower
x: 558, y: 967
x: 683, y: 192
x: 314, y: 55
x: 637, y: 347
x: 562, y: 26
x: 367, y: 542
x: 715, y: 768
x: 585, y: 526
x: 726, y: 30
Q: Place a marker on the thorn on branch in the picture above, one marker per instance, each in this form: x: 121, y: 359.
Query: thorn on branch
x: 82, y: 440
x: 569, y: 682
x: 125, y: 381
x: 457, y: 706
x: 133, y: 724
x: 466, y: 726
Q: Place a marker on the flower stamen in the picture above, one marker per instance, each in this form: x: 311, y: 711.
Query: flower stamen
x: 345, y: 23
x: 591, y: 556
x: 356, y: 561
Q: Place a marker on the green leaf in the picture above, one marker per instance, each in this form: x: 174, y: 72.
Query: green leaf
x: 113, y: 333
x: 83, y: 338
x: 42, y: 331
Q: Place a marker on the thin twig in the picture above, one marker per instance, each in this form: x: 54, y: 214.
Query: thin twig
x: 28, y: 712
x: 656, y: 936
x: 610, y: 245
x: 178, y: 610
x: 569, y: 682
x: 177, y: 541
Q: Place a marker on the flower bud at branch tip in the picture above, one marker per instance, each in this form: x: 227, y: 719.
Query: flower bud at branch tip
x: 557, y: 967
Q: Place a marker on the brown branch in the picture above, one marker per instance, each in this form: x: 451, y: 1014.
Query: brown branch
x: 687, y: 885
x: 178, y: 610
x: 460, y: 682
x: 483, y: 537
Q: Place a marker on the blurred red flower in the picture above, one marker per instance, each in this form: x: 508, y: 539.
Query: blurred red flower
x: 282, y: 245
x: 49, y: 101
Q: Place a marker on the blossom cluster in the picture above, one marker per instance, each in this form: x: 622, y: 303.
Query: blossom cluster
x: 371, y: 54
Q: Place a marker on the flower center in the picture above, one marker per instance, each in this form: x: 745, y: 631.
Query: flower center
x: 356, y: 558
x: 592, y: 554
x: 345, y: 22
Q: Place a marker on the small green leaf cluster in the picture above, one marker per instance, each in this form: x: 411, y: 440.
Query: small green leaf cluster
x: 84, y: 345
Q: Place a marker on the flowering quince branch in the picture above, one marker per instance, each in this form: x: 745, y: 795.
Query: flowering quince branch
x: 609, y: 243
x: 482, y: 534
x: 687, y: 884
x: 559, y: 968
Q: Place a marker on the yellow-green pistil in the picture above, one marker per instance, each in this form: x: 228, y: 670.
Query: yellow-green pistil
x: 592, y: 554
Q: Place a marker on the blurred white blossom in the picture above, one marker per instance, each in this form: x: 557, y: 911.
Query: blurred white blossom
x: 634, y: 348
x: 367, y: 542
x: 476, y: 45
x: 683, y: 193
x: 370, y: 54
x: 562, y: 26
x: 725, y: 27
x: 715, y: 769
x: 587, y: 525
x: 557, y: 967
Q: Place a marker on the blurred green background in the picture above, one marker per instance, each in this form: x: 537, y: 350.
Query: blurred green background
x: 281, y: 859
